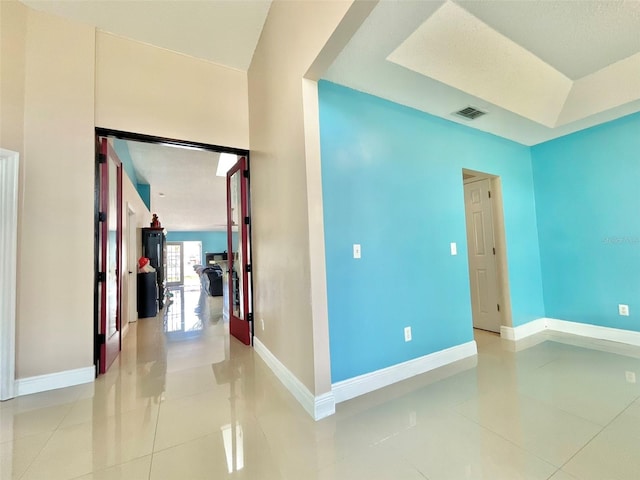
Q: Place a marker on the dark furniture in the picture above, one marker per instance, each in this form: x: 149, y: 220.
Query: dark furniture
x: 147, y: 294
x: 154, y: 247
x: 212, y: 258
x: 213, y: 268
x: 214, y: 273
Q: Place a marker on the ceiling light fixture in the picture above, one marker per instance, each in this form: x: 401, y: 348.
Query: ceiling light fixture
x: 186, y: 147
x: 226, y: 161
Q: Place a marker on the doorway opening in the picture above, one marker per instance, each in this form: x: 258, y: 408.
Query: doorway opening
x: 185, y: 164
x: 487, y: 253
x: 129, y: 267
x: 192, y: 256
x: 183, y: 260
x: 175, y: 264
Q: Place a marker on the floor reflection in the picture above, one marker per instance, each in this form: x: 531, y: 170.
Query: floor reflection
x: 185, y: 358
x: 193, y: 403
x: 188, y: 311
x: 233, y: 446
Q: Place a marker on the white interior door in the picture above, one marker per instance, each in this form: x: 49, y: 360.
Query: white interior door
x: 482, y: 260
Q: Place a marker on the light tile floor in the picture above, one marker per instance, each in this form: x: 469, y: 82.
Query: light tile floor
x: 190, y: 403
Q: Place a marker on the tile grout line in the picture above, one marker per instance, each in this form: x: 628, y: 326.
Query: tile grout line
x: 35, y: 457
x: 600, y: 431
x: 48, y: 438
x: 533, y: 454
x: 452, y: 410
x: 153, y: 445
x: 571, y: 413
x: 266, y: 438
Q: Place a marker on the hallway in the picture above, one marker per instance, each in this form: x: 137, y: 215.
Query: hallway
x: 190, y: 403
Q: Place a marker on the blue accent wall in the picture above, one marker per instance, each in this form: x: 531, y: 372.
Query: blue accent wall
x: 588, y: 201
x: 122, y: 150
x: 144, y: 189
x: 392, y: 182
x: 212, y: 242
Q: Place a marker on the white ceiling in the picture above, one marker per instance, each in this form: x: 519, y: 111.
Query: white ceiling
x: 194, y: 198
x: 224, y: 32
x: 540, y: 69
x: 574, y: 37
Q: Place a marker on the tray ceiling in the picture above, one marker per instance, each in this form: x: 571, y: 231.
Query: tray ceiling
x: 539, y: 69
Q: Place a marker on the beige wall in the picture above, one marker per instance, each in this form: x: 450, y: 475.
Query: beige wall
x: 13, y: 38
x: 144, y: 89
x: 55, y: 272
x: 281, y: 226
x: 47, y: 89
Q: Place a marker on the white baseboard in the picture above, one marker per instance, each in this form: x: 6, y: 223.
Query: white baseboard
x: 353, y: 387
x: 595, y: 331
x: 67, y: 378
x: 318, y: 407
x: 575, y: 328
x: 525, y: 330
x: 125, y: 330
x: 325, y: 406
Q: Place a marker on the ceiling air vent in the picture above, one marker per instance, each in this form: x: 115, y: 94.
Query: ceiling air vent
x: 470, y: 113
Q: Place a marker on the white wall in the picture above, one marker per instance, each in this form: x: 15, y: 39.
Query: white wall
x: 141, y: 218
x: 145, y: 89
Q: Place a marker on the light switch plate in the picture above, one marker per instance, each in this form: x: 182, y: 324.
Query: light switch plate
x: 357, y: 252
x: 454, y: 248
x: 407, y: 334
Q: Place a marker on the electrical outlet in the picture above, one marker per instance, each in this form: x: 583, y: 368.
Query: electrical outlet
x: 407, y: 334
x: 630, y: 376
x: 357, y: 252
x: 623, y: 310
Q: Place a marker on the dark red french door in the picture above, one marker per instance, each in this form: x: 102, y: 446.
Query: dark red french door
x: 239, y: 263
x: 109, y: 252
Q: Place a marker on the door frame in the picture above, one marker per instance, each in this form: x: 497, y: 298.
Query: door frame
x: 9, y: 174
x: 502, y: 269
x: 236, y: 324
x: 138, y: 137
x: 104, y: 154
